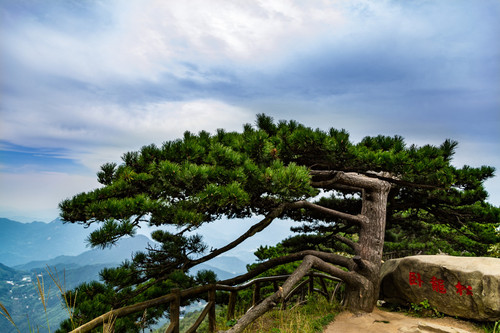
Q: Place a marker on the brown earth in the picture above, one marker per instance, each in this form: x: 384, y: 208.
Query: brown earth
x: 380, y: 321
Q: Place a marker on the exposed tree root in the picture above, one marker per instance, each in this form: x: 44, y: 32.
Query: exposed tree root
x: 271, y: 301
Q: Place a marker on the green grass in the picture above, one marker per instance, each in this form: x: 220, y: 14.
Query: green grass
x: 311, y: 317
x: 491, y: 327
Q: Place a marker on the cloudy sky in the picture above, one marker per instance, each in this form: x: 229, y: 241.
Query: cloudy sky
x: 82, y: 82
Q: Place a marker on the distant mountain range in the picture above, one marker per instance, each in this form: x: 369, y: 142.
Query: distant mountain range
x: 28, y: 249
x: 8, y: 273
x: 34, y: 248
x: 28, y: 246
x: 114, y: 255
x: 24, y: 242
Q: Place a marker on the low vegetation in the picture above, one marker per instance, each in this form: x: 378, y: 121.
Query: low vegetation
x: 310, y: 317
x: 491, y: 327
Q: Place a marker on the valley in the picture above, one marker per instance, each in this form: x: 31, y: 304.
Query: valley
x: 18, y: 281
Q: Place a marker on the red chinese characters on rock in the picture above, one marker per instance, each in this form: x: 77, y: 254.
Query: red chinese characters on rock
x: 415, y: 279
x: 438, y: 285
x: 461, y: 288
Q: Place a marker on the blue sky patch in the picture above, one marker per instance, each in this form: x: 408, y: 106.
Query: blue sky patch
x: 19, y: 159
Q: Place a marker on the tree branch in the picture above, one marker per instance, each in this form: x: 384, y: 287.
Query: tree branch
x: 397, y: 181
x: 331, y: 258
x: 363, y: 265
x: 326, y: 184
x: 353, y: 245
x: 368, y: 181
x: 356, y: 219
x: 191, y: 263
x: 250, y: 232
x: 370, y: 174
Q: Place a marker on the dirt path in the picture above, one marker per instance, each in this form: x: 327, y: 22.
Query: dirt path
x: 380, y: 321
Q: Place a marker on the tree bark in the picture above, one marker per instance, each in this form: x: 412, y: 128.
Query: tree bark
x: 362, y: 296
x: 332, y: 258
x: 362, y: 292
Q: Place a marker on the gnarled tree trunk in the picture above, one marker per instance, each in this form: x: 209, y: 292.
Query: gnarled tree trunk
x: 362, y: 287
x: 362, y: 295
x: 363, y: 276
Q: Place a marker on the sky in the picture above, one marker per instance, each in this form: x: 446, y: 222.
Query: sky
x: 82, y: 82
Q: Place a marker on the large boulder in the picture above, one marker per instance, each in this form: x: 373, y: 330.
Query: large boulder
x: 467, y: 287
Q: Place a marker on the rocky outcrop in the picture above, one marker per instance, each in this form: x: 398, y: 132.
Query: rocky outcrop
x: 467, y: 287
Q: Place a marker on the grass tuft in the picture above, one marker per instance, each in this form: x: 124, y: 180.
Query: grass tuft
x: 68, y: 300
x: 40, y: 289
x: 491, y: 327
x: 6, y: 314
x: 311, y: 317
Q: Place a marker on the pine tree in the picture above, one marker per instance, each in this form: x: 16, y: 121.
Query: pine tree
x: 345, y: 197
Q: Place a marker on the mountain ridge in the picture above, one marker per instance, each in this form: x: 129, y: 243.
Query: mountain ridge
x: 18, y: 239
x: 25, y: 242
x: 114, y: 255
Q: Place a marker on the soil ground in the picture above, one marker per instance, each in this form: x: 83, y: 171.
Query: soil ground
x: 380, y: 321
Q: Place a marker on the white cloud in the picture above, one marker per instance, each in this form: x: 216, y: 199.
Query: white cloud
x: 221, y: 30
x: 141, y: 40
x: 129, y: 129
x: 36, y: 195
x: 127, y: 74
x: 93, y: 134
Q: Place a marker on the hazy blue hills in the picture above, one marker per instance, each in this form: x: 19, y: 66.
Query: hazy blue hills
x: 38, y: 247
x: 8, y: 273
x: 224, y: 266
x: 24, y: 242
x: 29, y: 246
x: 114, y: 255
x: 29, y: 249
